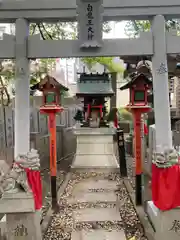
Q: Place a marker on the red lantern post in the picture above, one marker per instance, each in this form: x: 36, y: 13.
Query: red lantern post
x: 51, y: 106
x: 138, y: 90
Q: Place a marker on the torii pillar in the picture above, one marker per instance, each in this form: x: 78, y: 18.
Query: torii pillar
x: 22, y: 88
x: 23, y: 215
x: 161, y: 84
x: 164, y: 221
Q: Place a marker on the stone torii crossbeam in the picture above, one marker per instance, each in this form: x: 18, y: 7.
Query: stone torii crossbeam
x: 157, y: 44
x: 65, y: 10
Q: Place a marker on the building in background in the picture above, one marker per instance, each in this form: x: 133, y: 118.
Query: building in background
x: 6, y: 28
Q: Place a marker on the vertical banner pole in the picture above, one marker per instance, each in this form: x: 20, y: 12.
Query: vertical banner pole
x: 122, y: 155
x: 138, y: 156
x: 53, y: 164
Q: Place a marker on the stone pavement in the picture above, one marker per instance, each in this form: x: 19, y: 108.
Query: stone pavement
x: 98, y: 235
x: 99, y: 191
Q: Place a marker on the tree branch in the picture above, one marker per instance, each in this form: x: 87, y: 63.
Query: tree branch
x: 49, y: 35
x: 41, y: 32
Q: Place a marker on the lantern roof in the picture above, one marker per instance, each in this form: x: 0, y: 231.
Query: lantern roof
x: 94, y: 84
x: 51, y: 80
x: 136, y: 78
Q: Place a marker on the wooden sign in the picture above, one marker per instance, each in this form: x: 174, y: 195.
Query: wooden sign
x: 90, y: 23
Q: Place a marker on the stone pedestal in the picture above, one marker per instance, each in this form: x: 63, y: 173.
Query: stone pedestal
x: 3, y: 229
x: 22, y: 221
x: 95, y: 149
x: 166, y: 223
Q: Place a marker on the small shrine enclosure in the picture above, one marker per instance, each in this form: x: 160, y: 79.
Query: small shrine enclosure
x: 94, y: 89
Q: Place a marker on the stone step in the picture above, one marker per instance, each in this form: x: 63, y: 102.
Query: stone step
x: 93, y: 197
x: 98, y: 235
x: 99, y: 185
x: 91, y: 215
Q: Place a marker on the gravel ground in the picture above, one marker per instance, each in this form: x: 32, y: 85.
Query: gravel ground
x: 131, y: 169
x: 62, y: 222
x: 63, y: 169
x: 46, y: 190
x: 130, y: 161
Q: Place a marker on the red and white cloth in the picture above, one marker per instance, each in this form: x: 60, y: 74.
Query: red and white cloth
x: 165, y: 187
x: 34, y: 180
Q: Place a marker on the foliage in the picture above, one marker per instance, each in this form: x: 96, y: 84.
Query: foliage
x: 69, y: 31
x: 78, y: 116
x: 125, y: 114
x: 39, y: 67
x: 107, y: 62
x: 133, y: 28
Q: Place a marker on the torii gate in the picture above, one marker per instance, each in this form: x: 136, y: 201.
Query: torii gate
x: 90, y: 14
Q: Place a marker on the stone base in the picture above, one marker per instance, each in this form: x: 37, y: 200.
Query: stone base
x: 21, y: 220
x: 3, y: 229
x: 166, y: 223
x: 95, y: 149
x: 24, y: 226
x: 17, y: 203
x: 95, y: 161
x: 30, y: 226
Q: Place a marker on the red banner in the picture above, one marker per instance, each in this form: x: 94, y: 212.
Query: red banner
x: 34, y: 180
x: 166, y: 187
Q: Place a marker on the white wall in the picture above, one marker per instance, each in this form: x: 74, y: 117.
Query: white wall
x: 122, y: 96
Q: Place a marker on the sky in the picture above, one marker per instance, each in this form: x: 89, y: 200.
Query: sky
x: 117, y: 30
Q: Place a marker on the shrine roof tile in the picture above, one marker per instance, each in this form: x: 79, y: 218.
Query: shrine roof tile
x: 94, y: 87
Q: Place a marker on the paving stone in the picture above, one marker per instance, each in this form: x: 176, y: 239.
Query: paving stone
x: 98, y: 235
x: 96, y: 215
x: 88, y: 185
x: 93, y: 197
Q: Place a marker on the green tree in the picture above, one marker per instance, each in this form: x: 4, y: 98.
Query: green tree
x: 125, y: 115
x: 39, y: 67
x: 107, y: 62
x: 69, y: 31
x: 133, y: 28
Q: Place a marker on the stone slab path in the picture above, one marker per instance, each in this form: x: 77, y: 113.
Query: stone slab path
x: 98, y: 235
x: 93, y: 197
x: 87, y: 185
x: 92, y: 215
x: 88, y: 192
x: 84, y: 215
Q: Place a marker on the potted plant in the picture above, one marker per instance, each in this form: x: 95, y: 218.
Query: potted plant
x: 78, y: 118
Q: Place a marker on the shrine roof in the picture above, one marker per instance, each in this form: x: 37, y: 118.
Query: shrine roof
x: 136, y: 78
x: 94, y: 84
x: 38, y: 86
